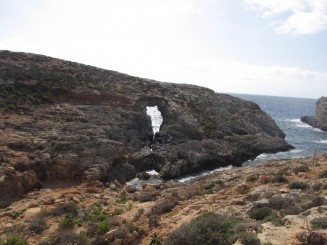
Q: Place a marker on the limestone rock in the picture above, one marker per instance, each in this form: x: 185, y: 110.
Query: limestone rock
x: 68, y: 121
x: 320, y: 119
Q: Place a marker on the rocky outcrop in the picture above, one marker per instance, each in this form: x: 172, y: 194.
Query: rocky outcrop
x: 320, y: 119
x: 63, y: 120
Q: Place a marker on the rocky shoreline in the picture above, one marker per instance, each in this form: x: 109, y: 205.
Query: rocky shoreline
x: 62, y: 120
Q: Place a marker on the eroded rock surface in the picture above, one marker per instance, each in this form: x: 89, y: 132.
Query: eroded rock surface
x: 320, y: 119
x: 64, y: 120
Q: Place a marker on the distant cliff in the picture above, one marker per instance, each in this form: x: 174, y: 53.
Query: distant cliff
x: 64, y: 120
x: 320, y: 119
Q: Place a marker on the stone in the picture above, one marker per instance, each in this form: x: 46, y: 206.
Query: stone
x: 130, y: 188
x: 118, y: 185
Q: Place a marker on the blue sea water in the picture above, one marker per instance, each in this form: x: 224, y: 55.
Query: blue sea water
x: 287, y: 113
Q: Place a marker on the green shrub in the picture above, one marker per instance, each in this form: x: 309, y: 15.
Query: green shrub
x: 98, y: 215
x: 165, y: 206
x: 118, y: 211
x: 275, y: 219
x: 103, y: 227
x: 279, y: 179
x: 121, y: 200
x: 14, y: 240
x: 298, y: 185
x: 319, y: 223
x: 67, y: 208
x: 38, y: 226
x: 323, y: 174
x: 67, y: 222
x: 252, y: 178
x: 16, y: 214
x: 301, y: 168
x: 259, y: 213
x: 250, y: 239
x: 68, y: 237
x: 278, y: 202
x: 208, y: 228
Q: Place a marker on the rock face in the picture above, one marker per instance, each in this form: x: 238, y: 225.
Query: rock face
x: 320, y: 119
x: 64, y: 120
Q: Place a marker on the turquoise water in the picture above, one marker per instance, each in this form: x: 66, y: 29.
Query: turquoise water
x: 287, y: 113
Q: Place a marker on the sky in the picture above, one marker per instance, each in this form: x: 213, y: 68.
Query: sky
x: 266, y: 47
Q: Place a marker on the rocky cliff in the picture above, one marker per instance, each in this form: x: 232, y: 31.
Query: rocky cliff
x: 320, y: 119
x: 64, y: 120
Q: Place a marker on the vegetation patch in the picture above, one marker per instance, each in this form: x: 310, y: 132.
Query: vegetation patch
x: 323, y: 174
x: 319, y: 223
x: 14, y: 240
x: 208, y: 228
x: 37, y: 226
x: 298, y: 185
x: 311, y: 238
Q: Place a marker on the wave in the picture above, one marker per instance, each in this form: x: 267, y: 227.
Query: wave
x: 193, y: 176
x: 295, y: 153
x: 320, y: 141
x: 301, y: 124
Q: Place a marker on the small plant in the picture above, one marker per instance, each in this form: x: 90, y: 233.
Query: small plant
x: 118, y: 211
x: 259, y: 213
x: 16, y: 214
x: 14, y: 240
x: 156, y: 240
x: 311, y: 237
x: 67, y: 222
x: 68, y: 237
x: 208, y: 228
x: 164, y: 206
x: 301, y: 168
x: 250, y: 239
x: 319, y: 223
x: 103, y: 227
x: 279, y: 179
x: 323, y: 174
x: 252, y: 178
x: 121, y: 200
x: 98, y: 215
x: 298, y: 185
x: 38, y: 226
x: 67, y: 208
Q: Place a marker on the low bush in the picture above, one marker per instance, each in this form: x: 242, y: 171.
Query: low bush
x: 298, y: 185
x: 250, y: 239
x: 259, y: 213
x: 68, y: 237
x: 311, y: 238
x: 301, y: 168
x: 323, y: 174
x: 279, y: 179
x: 319, y: 223
x: 67, y: 208
x: 14, y: 240
x: 67, y: 222
x: 252, y: 178
x: 164, y: 206
x: 38, y: 226
x: 208, y: 228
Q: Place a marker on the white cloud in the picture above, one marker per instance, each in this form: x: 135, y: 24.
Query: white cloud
x: 244, y: 78
x: 304, y: 16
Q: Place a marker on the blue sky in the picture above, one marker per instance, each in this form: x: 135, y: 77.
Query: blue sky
x: 269, y: 47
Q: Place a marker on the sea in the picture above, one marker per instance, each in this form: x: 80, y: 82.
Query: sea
x: 287, y: 113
